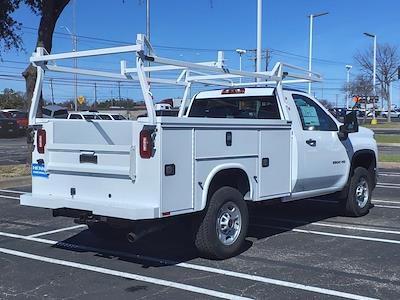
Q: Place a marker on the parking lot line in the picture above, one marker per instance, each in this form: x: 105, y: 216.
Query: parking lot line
x: 250, y: 277
x: 388, y: 186
x: 172, y: 284
x: 12, y: 191
x: 331, y: 225
x: 387, y: 201
x: 9, y: 197
x: 347, y: 236
x: 58, y: 230
x: 390, y: 174
x: 387, y: 206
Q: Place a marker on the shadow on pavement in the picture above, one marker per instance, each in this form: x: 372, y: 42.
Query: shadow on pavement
x: 174, y: 244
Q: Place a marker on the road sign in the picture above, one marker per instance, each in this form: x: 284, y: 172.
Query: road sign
x: 81, y: 100
x: 365, y: 99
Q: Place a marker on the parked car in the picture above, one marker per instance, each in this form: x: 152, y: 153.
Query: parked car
x: 54, y: 112
x: 8, y: 127
x: 83, y: 116
x: 20, y: 116
x: 105, y: 116
x: 393, y: 114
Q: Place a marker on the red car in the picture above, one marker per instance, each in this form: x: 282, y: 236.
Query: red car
x: 20, y: 116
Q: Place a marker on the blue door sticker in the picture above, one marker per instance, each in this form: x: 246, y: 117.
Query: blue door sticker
x: 38, y: 170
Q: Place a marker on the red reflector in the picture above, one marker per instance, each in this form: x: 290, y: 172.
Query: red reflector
x: 41, y: 140
x: 233, y: 91
x: 166, y: 213
x: 146, y: 144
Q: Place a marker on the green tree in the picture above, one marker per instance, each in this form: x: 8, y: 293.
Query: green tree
x: 12, y: 99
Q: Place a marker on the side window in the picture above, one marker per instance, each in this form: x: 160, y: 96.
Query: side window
x: 75, y: 116
x: 312, y: 116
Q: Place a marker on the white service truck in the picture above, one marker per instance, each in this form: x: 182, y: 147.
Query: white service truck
x: 245, y: 142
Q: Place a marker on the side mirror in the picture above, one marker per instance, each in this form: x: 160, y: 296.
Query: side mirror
x: 350, y: 125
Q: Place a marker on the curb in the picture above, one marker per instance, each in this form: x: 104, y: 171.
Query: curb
x: 15, y: 182
x: 389, y: 144
x: 389, y: 165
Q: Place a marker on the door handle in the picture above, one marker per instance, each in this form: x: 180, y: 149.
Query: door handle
x: 312, y: 142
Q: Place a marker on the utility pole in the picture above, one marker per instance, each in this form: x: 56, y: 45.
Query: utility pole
x: 95, y: 95
x: 374, y: 76
x: 52, y: 91
x: 390, y: 102
x: 259, y: 44
x: 336, y: 105
x: 119, y: 90
x: 267, y: 58
x: 348, y: 68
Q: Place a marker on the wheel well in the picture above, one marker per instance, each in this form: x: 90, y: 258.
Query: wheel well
x: 236, y: 178
x: 367, y: 160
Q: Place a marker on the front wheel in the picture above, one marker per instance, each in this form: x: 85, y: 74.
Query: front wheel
x: 358, y: 200
x: 223, y: 228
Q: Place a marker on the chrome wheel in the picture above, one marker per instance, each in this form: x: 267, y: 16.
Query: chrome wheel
x: 362, y: 192
x: 229, y: 223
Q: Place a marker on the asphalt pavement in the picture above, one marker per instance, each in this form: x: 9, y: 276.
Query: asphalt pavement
x: 13, y: 151
x: 299, y: 250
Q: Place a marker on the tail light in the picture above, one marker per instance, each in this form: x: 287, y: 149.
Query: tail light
x: 41, y: 140
x: 146, y: 144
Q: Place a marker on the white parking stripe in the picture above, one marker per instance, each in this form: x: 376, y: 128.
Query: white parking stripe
x: 57, y: 230
x: 387, y: 206
x: 386, y: 186
x: 389, y: 174
x: 9, y: 197
x: 331, y: 225
x: 176, y: 285
x: 198, y: 267
x: 347, y: 236
x: 11, y: 191
x: 387, y: 201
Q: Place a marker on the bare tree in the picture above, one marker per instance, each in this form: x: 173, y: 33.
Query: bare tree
x: 361, y: 86
x: 387, y: 62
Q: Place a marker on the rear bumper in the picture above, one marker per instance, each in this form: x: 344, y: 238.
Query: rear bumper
x: 108, y: 209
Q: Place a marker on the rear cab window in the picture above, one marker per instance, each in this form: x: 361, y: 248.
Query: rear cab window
x: 248, y: 107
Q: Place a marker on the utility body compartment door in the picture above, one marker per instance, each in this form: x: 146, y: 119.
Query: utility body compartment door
x: 274, y: 163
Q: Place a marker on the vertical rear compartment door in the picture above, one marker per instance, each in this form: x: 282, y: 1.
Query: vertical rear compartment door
x: 274, y: 163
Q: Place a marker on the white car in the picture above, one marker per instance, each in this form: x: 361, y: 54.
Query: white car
x: 393, y: 114
x: 83, y: 116
x: 105, y: 116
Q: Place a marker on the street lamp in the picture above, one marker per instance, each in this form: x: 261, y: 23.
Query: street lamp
x: 374, y: 71
x: 74, y: 48
x: 348, y: 68
x: 312, y: 16
x: 240, y: 52
x: 259, y: 44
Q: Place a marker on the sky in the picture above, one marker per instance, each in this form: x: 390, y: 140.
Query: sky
x: 195, y: 30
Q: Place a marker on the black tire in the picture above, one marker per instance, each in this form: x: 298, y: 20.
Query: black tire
x: 207, y: 239
x: 351, y: 206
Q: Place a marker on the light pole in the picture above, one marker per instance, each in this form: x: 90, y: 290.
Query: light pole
x: 259, y: 28
x: 148, y: 19
x: 240, y: 52
x: 312, y: 16
x: 374, y: 74
x: 348, y: 68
